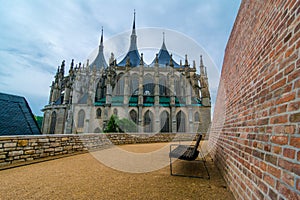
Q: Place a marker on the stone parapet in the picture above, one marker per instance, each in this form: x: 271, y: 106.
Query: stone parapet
x: 20, y: 150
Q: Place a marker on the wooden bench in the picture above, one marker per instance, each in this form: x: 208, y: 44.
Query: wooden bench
x: 187, y: 153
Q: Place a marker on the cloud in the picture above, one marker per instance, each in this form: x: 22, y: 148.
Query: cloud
x: 37, y: 35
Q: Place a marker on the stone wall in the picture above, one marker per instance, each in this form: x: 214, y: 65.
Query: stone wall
x: 255, y: 131
x: 18, y: 150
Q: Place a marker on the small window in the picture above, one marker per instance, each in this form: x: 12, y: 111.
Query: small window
x: 180, y: 121
x: 115, y: 112
x: 98, y: 113
x: 81, y: 116
x: 97, y: 130
x: 53, y: 123
x: 148, y: 122
x: 197, y: 117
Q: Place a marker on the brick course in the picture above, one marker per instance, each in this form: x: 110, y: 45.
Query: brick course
x: 254, y: 136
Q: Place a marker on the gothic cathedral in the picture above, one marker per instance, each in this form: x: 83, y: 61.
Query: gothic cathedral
x: 163, y: 96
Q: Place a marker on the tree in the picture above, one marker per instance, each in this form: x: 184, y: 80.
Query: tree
x: 39, y: 120
x: 112, y: 126
x: 116, y: 125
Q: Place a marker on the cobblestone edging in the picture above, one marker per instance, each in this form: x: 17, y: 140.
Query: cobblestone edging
x: 19, y: 150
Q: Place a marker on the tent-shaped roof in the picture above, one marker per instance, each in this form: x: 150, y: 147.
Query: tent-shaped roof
x: 164, y: 57
x: 99, y: 61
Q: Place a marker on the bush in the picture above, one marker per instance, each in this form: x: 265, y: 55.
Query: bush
x: 112, y: 126
x: 116, y: 125
x: 126, y: 125
x: 39, y: 120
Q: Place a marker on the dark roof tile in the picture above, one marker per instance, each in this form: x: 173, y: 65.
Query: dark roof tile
x: 16, y: 117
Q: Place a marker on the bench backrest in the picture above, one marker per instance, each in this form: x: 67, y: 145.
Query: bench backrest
x: 197, y: 143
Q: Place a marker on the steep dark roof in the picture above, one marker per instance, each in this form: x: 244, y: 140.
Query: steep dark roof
x: 134, y: 57
x: 16, y: 117
x: 99, y: 61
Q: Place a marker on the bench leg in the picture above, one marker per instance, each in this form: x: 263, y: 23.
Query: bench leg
x: 171, y: 166
x: 204, y: 162
x: 190, y: 176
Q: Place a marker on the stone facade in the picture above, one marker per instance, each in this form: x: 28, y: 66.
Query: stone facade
x: 160, y: 97
x: 255, y: 130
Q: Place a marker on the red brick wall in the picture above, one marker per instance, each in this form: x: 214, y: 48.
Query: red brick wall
x: 255, y: 136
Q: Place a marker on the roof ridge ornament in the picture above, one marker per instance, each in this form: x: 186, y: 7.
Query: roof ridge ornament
x: 186, y: 62
x: 127, y: 61
x: 142, y: 60
x: 171, y: 61
x: 156, y: 58
x: 201, y: 61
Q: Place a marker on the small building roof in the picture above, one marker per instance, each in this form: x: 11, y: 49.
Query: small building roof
x: 16, y: 117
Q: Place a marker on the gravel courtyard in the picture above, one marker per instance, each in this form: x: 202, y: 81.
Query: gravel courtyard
x: 85, y: 177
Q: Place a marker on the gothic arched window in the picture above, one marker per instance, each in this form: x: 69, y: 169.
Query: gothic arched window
x: 100, y: 90
x: 134, y: 118
x: 98, y: 113
x: 115, y: 112
x: 197, y: 117
x: 81, y: 116
x: 162, y: 86
x: 148, y: 85
x: 97, y: 130
x: 177, y: 86
x: 134, y: 86
x: 120, y: 85
x: 148, y: 122
x: 183, y: 86
x: 164, y: 122
x: 180, y: 121
x: 103, y: 92
x: 53, y: 123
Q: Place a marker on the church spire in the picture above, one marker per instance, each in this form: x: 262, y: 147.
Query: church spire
x: 163, y: 44
x: 201, y: 61
x: 99, y: 61
x: 202, y: 68
x: 133, y: 43
x: 101, y: 39
x: 133, y: 27
x: 132, y: 53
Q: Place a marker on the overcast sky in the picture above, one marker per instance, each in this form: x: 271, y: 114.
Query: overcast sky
x: 36, y: 35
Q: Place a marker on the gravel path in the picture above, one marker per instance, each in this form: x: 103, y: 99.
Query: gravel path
x: 84, y: 177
